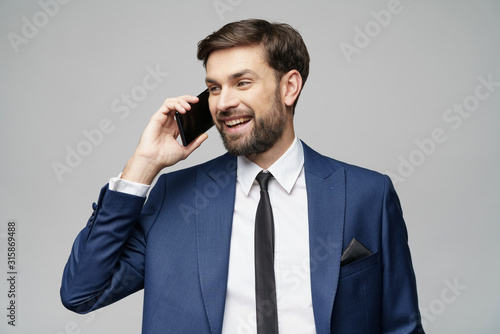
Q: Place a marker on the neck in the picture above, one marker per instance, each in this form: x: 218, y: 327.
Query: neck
x: 266, y: 159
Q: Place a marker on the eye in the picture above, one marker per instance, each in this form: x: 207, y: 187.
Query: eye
x: 214, y: 89
x: 243, y: 84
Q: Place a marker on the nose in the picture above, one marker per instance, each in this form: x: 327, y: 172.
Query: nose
x: 227, y: 100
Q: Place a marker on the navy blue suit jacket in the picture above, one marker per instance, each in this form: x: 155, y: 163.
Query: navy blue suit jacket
x: 176, y: 247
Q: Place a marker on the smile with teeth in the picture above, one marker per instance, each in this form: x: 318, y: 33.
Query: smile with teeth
x: 236, y: 122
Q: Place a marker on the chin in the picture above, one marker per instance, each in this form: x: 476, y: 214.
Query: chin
x: 246, y: 146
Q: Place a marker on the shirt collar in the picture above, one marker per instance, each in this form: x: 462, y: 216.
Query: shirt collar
x: 285, y: 170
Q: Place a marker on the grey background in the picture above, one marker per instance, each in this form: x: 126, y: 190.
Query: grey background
x: 64, y: 78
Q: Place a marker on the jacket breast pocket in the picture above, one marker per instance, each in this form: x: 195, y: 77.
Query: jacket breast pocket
x: 357, y: 303
x: 359, y: 265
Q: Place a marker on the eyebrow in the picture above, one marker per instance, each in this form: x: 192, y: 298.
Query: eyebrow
x: 233, y: 76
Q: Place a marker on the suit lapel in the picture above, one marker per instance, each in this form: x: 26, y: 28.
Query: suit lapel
x: 326, y: 205
x: 214, y: 202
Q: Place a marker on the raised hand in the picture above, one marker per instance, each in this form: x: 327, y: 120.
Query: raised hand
x: 158, y: 147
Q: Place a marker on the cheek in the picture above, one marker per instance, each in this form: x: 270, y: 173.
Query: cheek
x: 264, y: 101
x: 212, y: 105
x: 258, y: 106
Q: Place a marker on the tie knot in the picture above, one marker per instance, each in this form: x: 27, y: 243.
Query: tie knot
x: 263, y: 179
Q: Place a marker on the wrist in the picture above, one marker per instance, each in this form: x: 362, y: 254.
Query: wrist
x: 141, y: 170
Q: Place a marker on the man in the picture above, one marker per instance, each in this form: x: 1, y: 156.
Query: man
x: 337, y: 239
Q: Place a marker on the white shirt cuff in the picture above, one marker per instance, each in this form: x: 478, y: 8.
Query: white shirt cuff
x: 128, y: 187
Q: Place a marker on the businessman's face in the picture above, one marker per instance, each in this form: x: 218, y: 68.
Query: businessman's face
x: 245, y: 100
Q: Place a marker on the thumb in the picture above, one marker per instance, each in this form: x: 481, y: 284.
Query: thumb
x: 195, y: 144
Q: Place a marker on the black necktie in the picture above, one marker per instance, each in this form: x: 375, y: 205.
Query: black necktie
x: 265, y: 285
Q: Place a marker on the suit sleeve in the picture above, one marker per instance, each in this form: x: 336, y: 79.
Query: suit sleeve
x: 400, y: 312
x: 107, y: 260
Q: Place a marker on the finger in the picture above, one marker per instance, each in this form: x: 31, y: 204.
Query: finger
x: 189, y: 98
x: 195, y: 144
x: 180, y: 104
x: 184, y: 104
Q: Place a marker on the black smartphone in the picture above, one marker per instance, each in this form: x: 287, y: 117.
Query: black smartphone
x: 195, y: 121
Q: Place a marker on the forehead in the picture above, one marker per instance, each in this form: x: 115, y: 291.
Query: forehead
x: 225, y: 62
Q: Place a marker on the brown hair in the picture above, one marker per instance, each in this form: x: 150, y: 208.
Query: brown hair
x: 283, y: 46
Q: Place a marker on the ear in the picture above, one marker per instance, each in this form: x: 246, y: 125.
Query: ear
x: 291, y: 84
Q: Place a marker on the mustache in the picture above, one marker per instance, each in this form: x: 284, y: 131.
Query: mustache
x: 235, y: 112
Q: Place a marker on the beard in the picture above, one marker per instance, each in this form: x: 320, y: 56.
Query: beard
x: 266, y: 131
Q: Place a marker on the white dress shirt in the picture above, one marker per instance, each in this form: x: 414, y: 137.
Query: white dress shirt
x: 288, y: 196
